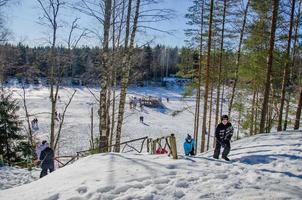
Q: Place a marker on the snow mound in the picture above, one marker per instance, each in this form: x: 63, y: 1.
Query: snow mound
x: 266, y: 166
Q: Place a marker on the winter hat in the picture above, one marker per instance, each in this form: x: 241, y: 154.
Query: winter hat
x: 44, y: 142
x: 189, y: 137
x: 224, y: 117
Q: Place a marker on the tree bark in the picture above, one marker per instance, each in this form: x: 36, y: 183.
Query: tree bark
x: 285, y: 80
x: 127, y: 65
x: 210, y: 117
x: 104, y: 78
x: 253, y: 114
x: 197, y: 106
x: 275, y: 5
x: 298, y: 112
x: 220, y: 62
x: 204, y: 121
x: 238, y: 57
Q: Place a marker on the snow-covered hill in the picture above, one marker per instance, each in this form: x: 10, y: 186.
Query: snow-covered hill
x: 265, y: 166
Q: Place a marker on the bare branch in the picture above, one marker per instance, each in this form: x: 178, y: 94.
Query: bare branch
x: 57, y: 137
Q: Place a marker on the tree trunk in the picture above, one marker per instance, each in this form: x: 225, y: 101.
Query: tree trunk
x: 270, y: 113
x: 197, y: 107
x: 286, y: 111
x: 204, y: 121
x: 253, y: 113
x: 127, y: 62
x: 220, y: 62
x: 238, y: 57
x: 239, y: 122
x: 104, y: 78
x: 210, y: 117
x: 285, y: 80
x: 275, y: 4
x: 222, y: 97
x: 256, y: 114
x: 298, y: 112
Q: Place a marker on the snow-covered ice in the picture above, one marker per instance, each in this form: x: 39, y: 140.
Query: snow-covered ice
x: 265, y: 166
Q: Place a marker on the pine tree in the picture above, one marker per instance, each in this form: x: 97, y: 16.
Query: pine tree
x: 10, y: 127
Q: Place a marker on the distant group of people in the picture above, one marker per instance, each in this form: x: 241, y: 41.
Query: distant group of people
x: 223, y: 134
x: 34, y: 124
x: 134, y: 101
x: 45, y: 158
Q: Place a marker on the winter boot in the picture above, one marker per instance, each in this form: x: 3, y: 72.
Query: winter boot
x: 226, y: 158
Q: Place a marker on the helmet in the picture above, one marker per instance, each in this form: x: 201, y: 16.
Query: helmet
x: 224, y: 117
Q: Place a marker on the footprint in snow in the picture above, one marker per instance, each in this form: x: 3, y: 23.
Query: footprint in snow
x: 105, y: 189
x: 82, y: 190
x: 182, y: 184
x: 161, y: 181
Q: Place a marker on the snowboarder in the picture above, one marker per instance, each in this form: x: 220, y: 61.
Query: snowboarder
x: 223, y: 135
x: 189, y: 146
x: 47, y: 161
x: 167, y: 99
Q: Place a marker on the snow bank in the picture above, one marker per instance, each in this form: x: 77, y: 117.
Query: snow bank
x: 266, y: 166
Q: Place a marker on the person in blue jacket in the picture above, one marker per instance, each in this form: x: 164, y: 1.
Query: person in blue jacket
x: 189, y: 146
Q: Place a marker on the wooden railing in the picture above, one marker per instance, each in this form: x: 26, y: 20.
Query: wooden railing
x: 152, y: 146
x: 155, y: 145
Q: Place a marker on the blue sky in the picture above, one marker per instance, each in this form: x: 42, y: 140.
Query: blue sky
x: 23, y: 18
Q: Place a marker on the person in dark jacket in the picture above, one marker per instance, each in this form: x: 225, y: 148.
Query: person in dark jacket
x: 223, y: 135
x: 47, y: 161
x: 189, y: 146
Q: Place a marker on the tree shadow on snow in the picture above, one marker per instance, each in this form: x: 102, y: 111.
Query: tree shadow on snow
x: 249, y: 152
x: 264, y: 159
x: 285, y: 173
x: 266, y: 145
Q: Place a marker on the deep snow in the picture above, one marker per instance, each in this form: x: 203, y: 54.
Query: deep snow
x: 265, y: 166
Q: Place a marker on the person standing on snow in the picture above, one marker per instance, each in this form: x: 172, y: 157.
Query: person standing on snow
x: 47, y: 161
x: 189, y: 146
x: 40, y: 148
x: 223, y: 135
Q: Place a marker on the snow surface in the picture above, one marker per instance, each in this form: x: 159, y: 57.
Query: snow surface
x: 15, y: 176
x: 76, y: 128
x: 265, y: 166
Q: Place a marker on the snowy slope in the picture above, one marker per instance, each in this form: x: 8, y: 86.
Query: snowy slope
x: 266, y: 166
x: 15, y: 176
x: 76, y: 129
